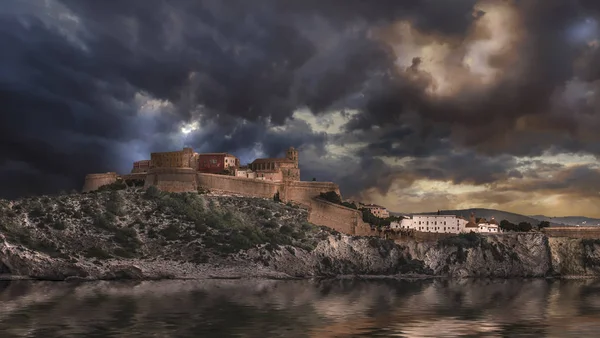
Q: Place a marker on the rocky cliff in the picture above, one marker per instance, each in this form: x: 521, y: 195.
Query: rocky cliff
x: 137, y: 234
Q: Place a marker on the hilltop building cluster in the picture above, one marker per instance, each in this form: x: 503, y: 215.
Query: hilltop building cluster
x: 269, y: 169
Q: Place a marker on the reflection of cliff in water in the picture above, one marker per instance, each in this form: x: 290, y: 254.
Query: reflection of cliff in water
x: 300, y: 308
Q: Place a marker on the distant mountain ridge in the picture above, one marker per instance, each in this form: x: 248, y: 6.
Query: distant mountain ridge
x: 499, y: 215
x: 569, y: 220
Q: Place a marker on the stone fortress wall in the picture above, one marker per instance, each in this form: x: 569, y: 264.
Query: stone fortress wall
x: 95, y: 181
x: 338, y: 217
x: 238, y: 185
x: 172, y: 179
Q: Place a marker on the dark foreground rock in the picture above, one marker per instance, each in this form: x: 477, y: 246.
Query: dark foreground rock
x: 153, y: 235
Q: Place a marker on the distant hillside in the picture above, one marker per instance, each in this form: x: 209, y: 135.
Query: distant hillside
x: 488, y: 214
x: 569, y: 220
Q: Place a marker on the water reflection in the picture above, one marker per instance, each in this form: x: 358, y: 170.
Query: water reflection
x: 340, y: 308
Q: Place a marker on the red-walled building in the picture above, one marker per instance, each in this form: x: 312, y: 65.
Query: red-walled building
x: 216, y: 162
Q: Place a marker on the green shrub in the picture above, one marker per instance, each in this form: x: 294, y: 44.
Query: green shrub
x: 215, y: 221
x: 115, y: 203
x: 105, y: 221
x: 152, y: 192
x: 286, y: 230
x: 58, y: 225
x: 127, y: 237
x: 200, y: 227
x: 37, y: 210
x: 152, y: 233
x: 270, y: 224
x: 264, y: 213
x: 96, y: 252
x: 171, y: 232
x: 118, y: 185
x: 331, y: 196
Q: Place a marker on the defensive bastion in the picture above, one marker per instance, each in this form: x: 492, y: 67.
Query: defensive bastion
x: 306, y: 194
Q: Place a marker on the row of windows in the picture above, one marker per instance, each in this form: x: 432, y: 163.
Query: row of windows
x: 437, y: 228
x: 435, y: 222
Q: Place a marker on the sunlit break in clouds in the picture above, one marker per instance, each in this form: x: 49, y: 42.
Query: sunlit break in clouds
x: 415, y: 105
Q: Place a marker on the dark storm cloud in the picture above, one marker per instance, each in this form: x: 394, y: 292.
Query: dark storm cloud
x: 466, y: 167
x: 488, y: 119
x: 69, y: 76
x: 73, y: 71
x: 582, y: 180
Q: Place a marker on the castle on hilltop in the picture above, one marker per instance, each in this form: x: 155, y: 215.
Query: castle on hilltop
x: 275, y: 178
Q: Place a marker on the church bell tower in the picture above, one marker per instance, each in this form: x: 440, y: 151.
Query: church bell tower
x: 292, y: 154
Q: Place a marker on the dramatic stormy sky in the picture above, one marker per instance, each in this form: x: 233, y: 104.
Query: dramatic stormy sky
x: 418, y: 105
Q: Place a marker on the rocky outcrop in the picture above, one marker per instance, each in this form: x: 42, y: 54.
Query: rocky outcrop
x: 136, y: 235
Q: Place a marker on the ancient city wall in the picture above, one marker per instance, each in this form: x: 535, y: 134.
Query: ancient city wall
x: 172, y: 179
x: 95, y: 181
x: 305, y: 192
x: 238, y: 185
x: 573, y: 232
x: 335, y: 216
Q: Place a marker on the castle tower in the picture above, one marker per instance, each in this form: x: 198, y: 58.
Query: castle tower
x: 292, y: 154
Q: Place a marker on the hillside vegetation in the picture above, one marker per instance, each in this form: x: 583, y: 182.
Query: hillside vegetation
x: 135, y: 224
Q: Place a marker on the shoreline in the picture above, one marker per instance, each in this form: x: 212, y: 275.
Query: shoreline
x: 408, y: 277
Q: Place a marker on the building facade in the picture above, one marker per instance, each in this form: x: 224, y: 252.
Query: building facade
x: 173, y: 159
x: 376, y: 210
x: 288, y: 166
x: 446, y: 224
x: 140, y: 167
x: 217, y: 162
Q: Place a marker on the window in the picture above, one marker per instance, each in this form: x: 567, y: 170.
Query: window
x: 427, y: 222
x: 444, y: 222
x: 213, y: 161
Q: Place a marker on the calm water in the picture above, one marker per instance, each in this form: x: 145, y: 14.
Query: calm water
x: 500, y: 308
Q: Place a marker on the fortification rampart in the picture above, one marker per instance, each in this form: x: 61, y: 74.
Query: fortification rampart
x: 172, y: 179
x: 305, y: 192
x: 573, y: 232
x: 337, y: 217
x: 95, y: 181
x: 238, y: 185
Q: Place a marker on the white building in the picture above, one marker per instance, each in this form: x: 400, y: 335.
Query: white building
x: 445, y: 224
x: 482, y: 226
x: 432, y: 223
x: 490, y: 226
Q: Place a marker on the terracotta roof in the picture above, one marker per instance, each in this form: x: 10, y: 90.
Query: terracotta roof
x: 268, y: 160
x: 471, y: 224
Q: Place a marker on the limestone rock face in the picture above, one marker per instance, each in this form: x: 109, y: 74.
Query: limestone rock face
x: 512, y: 255
x: 342, y: 255
x: 153, y: 235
